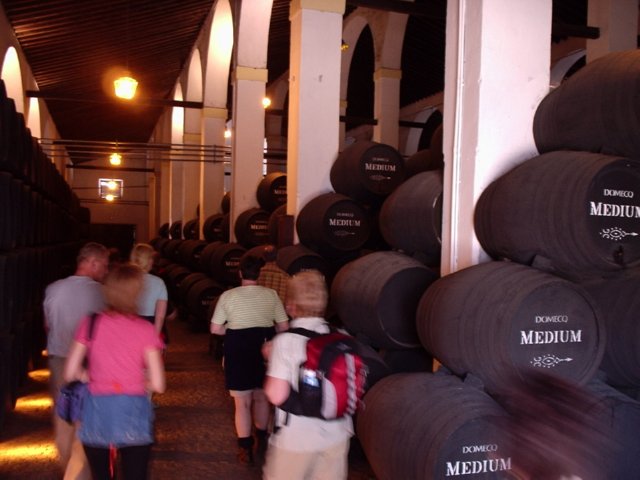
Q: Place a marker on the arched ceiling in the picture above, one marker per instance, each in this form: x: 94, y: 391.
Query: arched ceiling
x: 71, y: 45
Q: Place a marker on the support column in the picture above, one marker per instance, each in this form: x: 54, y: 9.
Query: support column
x: 176, y: 193
x: 191, y: 178
x: 343, y: 126
x: 247, y: 139
x: 386, y: 107
x: 314, y: 98
x: 212, y: 173
x: 495, y: 78
x: 618, y: 24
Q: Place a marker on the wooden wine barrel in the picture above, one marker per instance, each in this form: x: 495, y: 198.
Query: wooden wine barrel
x: 407, y: 360
x: 6, y: 343
x: 7, y: 212
x: 175, y: 274
x: 272, y: 191
x: 377, y: 368
x: 191, y: 229
x: 224, y: 261
x: 170, y: 250
x: 297, y: 258
x: 376, y: 297
x: 251, y: 227
x: 189, y: 253
x: 500, y: 319
x: 593, y: 110
x: 622, y: 415
x: 576, y: 211
x: 163, y: 231
x: 423, y: 426
x: 332, y: 223
x: 200, y: 298
x: 5, y: 295
x: 436, y: 155
x: 188, y: 282
x: 175, y: 230
x: 205, y: 256
x: 618, y: 298
x: 411, y: 217
x: 225, y: 203
x: 418, y: 162
x: 216, y: 228
x: 273, y: 225
x: 367, y: 171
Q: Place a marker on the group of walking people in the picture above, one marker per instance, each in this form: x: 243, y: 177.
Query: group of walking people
x: 104, y: 326
x: 261, y: 364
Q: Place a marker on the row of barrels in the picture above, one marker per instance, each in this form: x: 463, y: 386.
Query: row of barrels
x: 30, y: 219
x: 444, y: 427
x: 22, y: 156
x: 41, y: 224
x: 217, y: 263
x: 24, y: 275
x: 251, y: 225
x: 556, y: 302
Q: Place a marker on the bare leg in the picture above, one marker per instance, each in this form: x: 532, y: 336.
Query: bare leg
x: 243, y: 415
x: 261, y: 409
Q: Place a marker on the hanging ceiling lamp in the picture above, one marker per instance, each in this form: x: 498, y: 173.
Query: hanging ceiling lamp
x: 115, y: 159
x: 125, y: 87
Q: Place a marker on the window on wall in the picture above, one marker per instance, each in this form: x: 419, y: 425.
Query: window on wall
x: 110, y: 188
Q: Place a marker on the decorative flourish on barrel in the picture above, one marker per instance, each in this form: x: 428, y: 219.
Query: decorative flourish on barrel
x: 615, y: 233
x: 548, y: 361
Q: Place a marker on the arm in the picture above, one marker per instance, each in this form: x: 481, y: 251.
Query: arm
x: 73, y: 369
x: 161, y: 311
x: 217, y: 329
x: 276, y: 390
x: 282, y: 327
x: 155, y: 370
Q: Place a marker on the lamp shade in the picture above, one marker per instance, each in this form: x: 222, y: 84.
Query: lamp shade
x: 125, y: 87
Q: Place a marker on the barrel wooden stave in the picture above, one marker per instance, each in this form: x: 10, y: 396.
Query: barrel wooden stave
x: 376, y: 297
x: 411, y: 217
x: 498, y: 320
x: 415, y: 425
x: 559, y: 208
x: 592, y: 111
x: 332, y: 224
x: 367, y: 170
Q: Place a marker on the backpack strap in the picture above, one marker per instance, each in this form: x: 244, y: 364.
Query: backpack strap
x: 292, y: 404
x: 304, y: 332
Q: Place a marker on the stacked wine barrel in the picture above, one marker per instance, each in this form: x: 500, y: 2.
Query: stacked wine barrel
x: 558, y: 297
x: 41, y: 228
x: 198, y: 271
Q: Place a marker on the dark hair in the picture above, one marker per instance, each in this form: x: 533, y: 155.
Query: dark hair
x: 250, y: 266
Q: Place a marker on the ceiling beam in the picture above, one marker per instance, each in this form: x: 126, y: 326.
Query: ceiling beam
x: 149, y: 102
x: 425, y: 10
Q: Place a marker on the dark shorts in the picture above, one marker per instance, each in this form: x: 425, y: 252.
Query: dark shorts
x: 244, y: 367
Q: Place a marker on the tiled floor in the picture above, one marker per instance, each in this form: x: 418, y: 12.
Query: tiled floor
x: 194, y: 423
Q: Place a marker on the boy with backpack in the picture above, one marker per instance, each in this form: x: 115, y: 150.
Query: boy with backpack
x: 313, y: 442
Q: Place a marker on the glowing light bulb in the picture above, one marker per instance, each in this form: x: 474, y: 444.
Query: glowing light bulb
x: 125, y: 87
x: 266, y: 102
x: 109, y: 197
x: 115, y: 159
